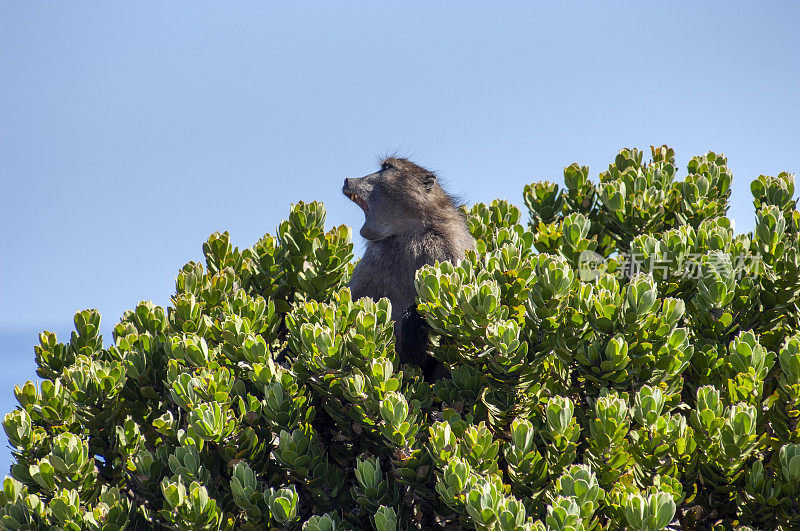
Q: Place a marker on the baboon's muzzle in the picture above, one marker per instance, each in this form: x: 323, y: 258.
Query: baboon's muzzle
x: 352, y: 190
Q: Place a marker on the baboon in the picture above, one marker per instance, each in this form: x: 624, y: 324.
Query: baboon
x: 410, y: 221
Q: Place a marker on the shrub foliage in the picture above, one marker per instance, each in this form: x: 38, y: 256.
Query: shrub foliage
x: 620, y: 359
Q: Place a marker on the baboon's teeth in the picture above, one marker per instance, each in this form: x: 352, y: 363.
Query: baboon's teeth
x: 355, y: 198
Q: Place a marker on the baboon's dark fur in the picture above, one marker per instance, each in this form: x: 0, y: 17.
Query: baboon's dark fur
x: 410, y: 221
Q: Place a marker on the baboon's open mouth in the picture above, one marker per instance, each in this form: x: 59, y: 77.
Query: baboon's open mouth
x: 358, y: 200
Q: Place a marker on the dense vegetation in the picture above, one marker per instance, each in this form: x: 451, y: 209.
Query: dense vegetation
x: 620, y: 360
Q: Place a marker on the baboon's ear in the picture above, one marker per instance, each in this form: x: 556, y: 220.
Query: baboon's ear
x: 428, y: 180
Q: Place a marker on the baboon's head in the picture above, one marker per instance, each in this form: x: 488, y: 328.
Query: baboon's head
x: 399, y: 198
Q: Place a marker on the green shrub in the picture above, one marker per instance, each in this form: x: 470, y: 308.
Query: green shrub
x: 621, y: 360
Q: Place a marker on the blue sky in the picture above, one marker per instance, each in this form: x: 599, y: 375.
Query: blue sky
x: 131, y: 131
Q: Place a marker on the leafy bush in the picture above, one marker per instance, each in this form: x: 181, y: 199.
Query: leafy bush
x: 622, y: 360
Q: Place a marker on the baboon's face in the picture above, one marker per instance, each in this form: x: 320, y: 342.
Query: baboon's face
x: 396, y: 199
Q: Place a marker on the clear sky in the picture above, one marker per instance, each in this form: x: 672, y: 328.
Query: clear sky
x: 129, y: 131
